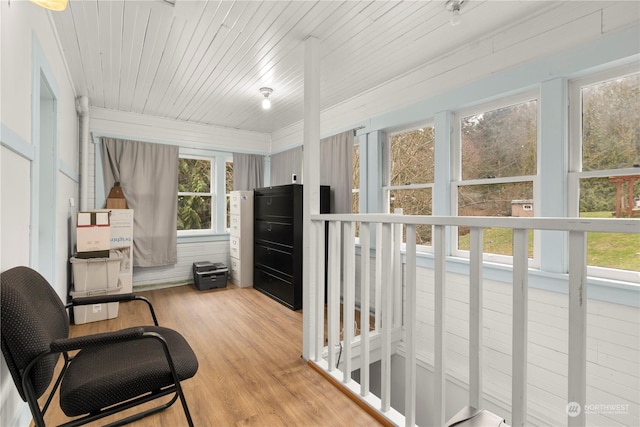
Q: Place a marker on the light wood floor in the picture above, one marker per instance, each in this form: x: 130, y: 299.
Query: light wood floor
x: 251, y: 372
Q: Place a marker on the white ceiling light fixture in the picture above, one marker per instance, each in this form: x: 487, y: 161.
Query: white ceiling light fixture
x: 454, y: 7
x: 266, y: 102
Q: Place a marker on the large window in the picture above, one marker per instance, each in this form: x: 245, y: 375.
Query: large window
x: 605, y: 162
x: 496, y: 168
x: 411, y: 173
x: 195, y: 194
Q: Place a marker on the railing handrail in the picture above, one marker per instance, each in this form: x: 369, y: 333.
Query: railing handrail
x: 604, y: 225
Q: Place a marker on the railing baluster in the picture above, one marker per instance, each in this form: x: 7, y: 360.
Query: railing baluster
x: 397, y: 271
x: 378, y: 294
x: 365, y: 295
x: 440, y: 378
x: 349, y: 298
x: 320, y: 289
x: 520, y: 327
x: 475, y: 318
x: 387, y: 315
x: 333, y: 297
x: 410, y: 328
x: 577, y: 328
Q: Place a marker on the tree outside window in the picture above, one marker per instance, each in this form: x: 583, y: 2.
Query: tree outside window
x: 498, y: 167
x: 195, y: 195
x: 411, y: 157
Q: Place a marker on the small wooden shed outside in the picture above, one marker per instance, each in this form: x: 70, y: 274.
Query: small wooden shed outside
x: 522, y: 208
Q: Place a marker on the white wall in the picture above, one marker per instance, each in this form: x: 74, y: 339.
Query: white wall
x: 29, y: 49
x: 181, y: 272
x: 137, y: 127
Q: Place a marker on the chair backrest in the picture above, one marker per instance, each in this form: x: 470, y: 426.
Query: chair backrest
x: 31, y: 317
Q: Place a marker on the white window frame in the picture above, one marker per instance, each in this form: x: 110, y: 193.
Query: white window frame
x: 212, y: 194
x: 457, y: 181
x: 387, y: 188
x: 575, y: 158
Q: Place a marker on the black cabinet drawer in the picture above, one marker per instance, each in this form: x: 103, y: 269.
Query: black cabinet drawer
x: 272, y: 258
x: 275, y: 205
x: 277, y: 287
x: 277, y: 232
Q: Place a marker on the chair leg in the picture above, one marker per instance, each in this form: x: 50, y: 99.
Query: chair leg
x: 183, y: 400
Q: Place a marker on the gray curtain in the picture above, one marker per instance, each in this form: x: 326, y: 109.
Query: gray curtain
x: 148, y: 175
x: 248, y: 171
x: 285, y: 164
x: 336, y: 169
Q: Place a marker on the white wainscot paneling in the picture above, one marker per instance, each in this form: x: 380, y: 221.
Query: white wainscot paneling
x: 181, y: 272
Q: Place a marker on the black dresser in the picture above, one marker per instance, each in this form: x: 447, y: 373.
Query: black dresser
x: 278, y: 241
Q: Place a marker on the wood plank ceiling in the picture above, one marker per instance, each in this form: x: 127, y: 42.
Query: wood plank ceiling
x: 204, y: 61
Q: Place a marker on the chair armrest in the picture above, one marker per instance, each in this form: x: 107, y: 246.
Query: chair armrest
x: 78, y: 343
x: 98, y: 299
x: 103, y: 299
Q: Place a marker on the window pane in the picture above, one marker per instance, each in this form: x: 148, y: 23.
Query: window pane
x: 228, y: 180
x: 598, y: 196
x: 611, y: 124
x: 194, y: 176
x: 228, y: 177
x: 613, y: 250
x: 414, y: 202
x: 412, y: 157
x: 514, y: 199
x: 356, y: 166
x: 601, y: 198
x: 355, y: 194
x: 500, y: 143
x: 194, y: 212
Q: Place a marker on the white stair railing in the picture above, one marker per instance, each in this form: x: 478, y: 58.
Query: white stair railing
x: 395, y: 318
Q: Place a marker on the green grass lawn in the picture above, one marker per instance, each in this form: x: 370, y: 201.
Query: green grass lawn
x: 603, y: 249
x: 612, y: 250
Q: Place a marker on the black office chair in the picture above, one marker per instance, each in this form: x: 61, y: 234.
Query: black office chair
x: 111, y: 372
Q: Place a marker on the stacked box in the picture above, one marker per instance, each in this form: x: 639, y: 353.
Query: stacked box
x: 93, y: 235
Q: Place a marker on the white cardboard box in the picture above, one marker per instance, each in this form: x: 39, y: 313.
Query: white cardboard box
x: 93, y: 233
